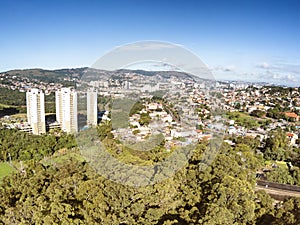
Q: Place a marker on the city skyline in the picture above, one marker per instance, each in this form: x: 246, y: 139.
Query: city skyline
x: 237, y: 40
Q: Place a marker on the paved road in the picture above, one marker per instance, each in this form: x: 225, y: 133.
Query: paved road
x: 277, y: 191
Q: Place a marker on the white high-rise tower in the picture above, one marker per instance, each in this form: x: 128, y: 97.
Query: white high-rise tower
x: 92, y: 112
x: 35, y: 102
x: 66, y: 109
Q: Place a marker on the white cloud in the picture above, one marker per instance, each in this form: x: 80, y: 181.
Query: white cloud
x: 142, y: 46
x: 228, y: 68
x: 280, y: 73
x: 264, y: 65
x: 278, y: 78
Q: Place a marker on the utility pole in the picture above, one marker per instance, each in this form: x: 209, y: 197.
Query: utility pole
x: 9, y: 156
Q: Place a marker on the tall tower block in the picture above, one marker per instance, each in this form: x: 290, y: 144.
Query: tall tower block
x: 66, y: 109
x: 92, y: 109
x: 35, y: 102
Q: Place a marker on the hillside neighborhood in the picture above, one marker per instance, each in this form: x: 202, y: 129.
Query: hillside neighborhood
x: 243, y: 109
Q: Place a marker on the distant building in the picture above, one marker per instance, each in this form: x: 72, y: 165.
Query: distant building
x: 292, y: 115
x: 92, y: 111
x: 292, y: 137
x: 126, y: 85
x: 35, y: 102
x: 232, y: 130
x: 66, y: 109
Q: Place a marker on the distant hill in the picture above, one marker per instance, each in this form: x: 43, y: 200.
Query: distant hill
x: 165, y: 74
x: 88, y: 74
x: 94, y: 74
x: 47, y: 75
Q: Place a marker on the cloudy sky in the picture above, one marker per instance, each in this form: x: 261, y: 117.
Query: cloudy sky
x: 245, y: 40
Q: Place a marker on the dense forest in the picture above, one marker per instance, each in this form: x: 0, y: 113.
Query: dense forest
x: 69, y: 191
x: 23, y: 146
x: 12, y: 97
x: 13, y: 102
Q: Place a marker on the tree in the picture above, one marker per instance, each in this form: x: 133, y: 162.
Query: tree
x: 232, y: 203
x: 288, y: 213
x: 258, y: 113
x: 281, y: 175
x: 276, y: 145
x: 145, y: 119
x: 264, y: 208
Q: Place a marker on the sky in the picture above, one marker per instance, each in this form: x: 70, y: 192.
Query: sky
x: 237, y: 39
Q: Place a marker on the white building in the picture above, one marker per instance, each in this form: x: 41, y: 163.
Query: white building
x: 126, y: 85
x: 91, y: 108
x: 35, y: 101
x: 66, y: 109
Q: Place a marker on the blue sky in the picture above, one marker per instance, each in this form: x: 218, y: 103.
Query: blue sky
x: 249, y: 40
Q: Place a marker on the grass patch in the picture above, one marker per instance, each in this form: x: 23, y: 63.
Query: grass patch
x: 5, y: 169
x: 282, y: 164
x: 5, y: 106
x: 19, y: 116
x: 63, y: 158
x: 243, y: 119
x: 268, y: 163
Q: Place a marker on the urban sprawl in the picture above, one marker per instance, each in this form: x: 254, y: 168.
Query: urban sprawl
x: 182, y: 108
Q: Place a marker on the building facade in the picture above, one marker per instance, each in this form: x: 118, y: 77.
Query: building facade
x: 66, y: 109
x: 35, y: 102
x: 92, y: 109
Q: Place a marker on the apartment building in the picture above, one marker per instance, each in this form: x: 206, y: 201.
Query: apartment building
x: 35, y: 102
x: 66, y: 109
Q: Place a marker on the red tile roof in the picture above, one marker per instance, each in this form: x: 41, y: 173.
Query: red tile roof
x: 291, y: 114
